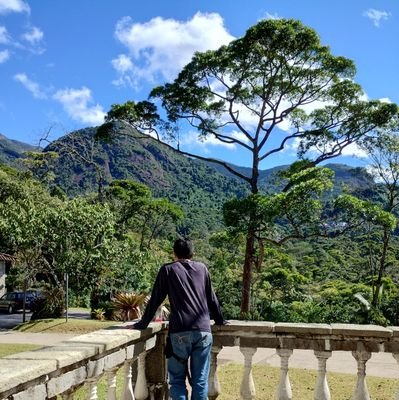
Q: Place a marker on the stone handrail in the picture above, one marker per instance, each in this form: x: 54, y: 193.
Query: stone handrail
x: 60, y: 370
x: 323, y: 339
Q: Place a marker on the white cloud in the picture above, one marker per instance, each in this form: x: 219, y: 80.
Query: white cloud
x: 122, y: 63
x: 76, y: 103
x: 160, y: 47
x: 291, y: 147
x: 376, y: 16
x: 193, y: 140
x: 34, y: 36
x: 4, y: 56
x: 271, y: 16
x: 30, y: 85
x: 354, y: 150
x: 4, y: 36
x: 124, y: 66
x: 7, y: 6
x: 351, y: 150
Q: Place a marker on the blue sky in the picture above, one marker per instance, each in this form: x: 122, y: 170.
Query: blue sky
x: 64, y: 62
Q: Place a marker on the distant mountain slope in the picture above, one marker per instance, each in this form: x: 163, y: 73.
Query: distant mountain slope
x: 199, y: 188
x: 356, y: 178
x: 11, y: 150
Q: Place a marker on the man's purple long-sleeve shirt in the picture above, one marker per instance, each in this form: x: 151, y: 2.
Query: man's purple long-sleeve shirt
x: 192, y: 300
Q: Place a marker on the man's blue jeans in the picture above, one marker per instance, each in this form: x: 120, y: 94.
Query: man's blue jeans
x: 197, y: 346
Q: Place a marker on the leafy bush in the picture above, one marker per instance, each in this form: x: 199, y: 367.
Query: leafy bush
x: 49, y: 305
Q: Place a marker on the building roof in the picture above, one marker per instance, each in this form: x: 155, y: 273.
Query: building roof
x: 6, y: 257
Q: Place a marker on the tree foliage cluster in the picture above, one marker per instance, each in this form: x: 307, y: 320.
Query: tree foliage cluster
x: 100, y: 244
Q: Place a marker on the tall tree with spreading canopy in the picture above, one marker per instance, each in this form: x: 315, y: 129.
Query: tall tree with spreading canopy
x: 383, y: 151
x: 275, y: 86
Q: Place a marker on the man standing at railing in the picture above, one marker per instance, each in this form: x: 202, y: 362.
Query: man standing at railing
x: 192, y: 300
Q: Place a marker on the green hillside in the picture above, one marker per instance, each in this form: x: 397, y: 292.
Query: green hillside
x: 355, y: 178
x: 12, y: 150
x: 85, y: 165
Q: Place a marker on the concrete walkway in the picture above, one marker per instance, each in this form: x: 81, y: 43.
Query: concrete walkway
x: 380, y: 364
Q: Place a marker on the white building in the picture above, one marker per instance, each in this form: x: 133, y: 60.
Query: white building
x: 5, y: 264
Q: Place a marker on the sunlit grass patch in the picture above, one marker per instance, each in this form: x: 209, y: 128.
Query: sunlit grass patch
x: 7, y: 349
x: 59, y: 325
x: 303, y: 383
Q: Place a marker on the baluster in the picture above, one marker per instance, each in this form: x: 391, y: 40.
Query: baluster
x: 111, y: 379
x: 92, y: 389
x: 152, y: 390
x: 214, y: 385
x: 361, y: 392
x: 247, y: 389
x: 284, y: 391
x: 141, y: 389
x: 396, y: 357
x: 128, y: 387
x: 322, y: 391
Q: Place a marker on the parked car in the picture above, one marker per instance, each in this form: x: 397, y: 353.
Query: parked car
x: 13, y: 301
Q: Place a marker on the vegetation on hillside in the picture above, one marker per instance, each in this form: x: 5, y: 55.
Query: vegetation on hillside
x: 85, y: 165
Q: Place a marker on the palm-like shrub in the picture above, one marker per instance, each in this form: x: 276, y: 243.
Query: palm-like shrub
x: 127, y: 306
x: 49, y: 305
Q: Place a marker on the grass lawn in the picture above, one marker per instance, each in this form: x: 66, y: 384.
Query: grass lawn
x: 74, y: 326
x: 59, y: 325
x: 303, y: 383
x: 6, y: 348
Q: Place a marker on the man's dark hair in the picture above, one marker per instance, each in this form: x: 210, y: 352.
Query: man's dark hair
x: 183, y: 248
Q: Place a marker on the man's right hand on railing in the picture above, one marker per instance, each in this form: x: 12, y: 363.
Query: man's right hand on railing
x: 140, y: 325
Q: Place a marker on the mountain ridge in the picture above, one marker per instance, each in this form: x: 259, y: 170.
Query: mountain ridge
x: 85, y: 165
x: 12, y: 150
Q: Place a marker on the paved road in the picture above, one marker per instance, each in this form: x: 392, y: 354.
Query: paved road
x: 9, y: 321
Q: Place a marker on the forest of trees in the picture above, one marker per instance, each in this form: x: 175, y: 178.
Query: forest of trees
x: 303, y: 253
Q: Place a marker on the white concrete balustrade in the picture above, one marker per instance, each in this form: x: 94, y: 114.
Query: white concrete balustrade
x: 62, y: 369
x: 360, y: 340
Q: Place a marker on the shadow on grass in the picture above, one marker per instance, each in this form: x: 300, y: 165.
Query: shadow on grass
x: 29, y: 326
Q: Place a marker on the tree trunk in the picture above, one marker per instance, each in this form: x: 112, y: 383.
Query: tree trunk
x: 249, y: 260
x: 250, y: 245
x: 247, y: 274
x: 377, y: 284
